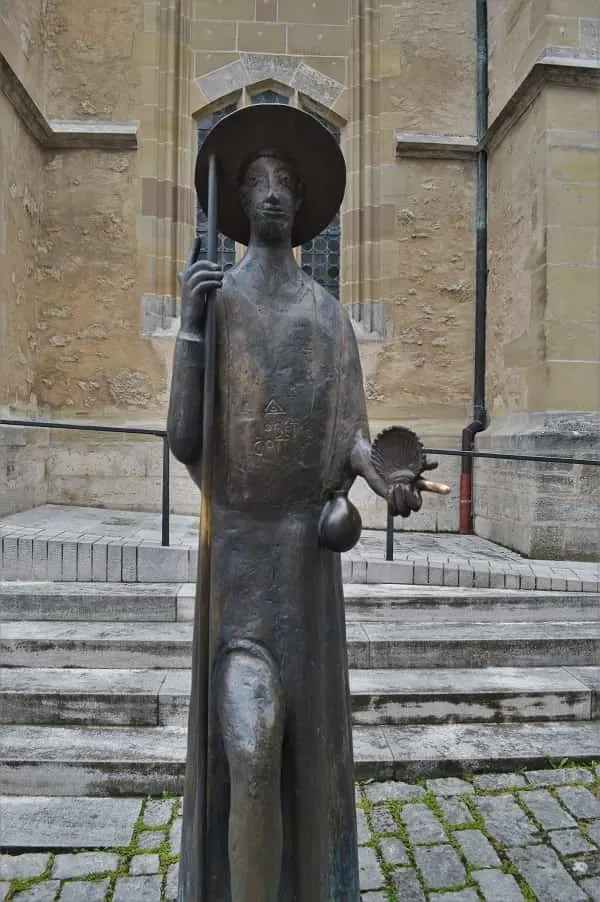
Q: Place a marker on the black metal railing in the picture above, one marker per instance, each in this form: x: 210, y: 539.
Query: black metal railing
x: 165, y: 502
x: 122, y: 430
x: 490, y: 455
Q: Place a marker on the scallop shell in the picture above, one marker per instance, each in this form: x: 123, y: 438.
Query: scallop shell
x: 396, y: 450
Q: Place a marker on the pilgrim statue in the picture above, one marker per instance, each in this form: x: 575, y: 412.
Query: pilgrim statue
x: 274, y: 818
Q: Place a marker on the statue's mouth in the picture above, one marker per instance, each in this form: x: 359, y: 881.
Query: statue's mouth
x: 273, y: 211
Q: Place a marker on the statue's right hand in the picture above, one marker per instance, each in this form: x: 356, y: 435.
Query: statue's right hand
x: 198, y: 280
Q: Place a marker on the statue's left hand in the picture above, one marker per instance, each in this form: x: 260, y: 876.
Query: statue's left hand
x: 404, y: 498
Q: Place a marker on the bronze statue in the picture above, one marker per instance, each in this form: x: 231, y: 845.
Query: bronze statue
x: 291, y: 435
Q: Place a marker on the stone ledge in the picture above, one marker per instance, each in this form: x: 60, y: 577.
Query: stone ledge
x: 58, y: 134
x: 551, y: 67
x: 444, y: 147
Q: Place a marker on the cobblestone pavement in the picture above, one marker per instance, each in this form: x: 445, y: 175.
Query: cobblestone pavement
x: 533, y: 835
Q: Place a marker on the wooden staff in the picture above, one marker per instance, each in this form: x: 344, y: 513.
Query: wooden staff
x: 201, y: 678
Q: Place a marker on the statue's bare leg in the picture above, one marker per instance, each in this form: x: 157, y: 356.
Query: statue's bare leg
x: 250, y: 714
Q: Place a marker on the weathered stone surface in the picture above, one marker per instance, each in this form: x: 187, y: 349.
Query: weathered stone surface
x: 440, y: 866
x: 67, y: 822
x: 569, y: 842
x: 30, y: 864
x: 150, y: 839
x: 142, y: 889
x: 84, y: 891
x: 449, y: 786
x: 461, y: 895
x: 158, y: 812
x: 506, y: 822
x: 41, y: 892
x: 558, y: 776
x: 393, y: 792
x: 370, y: 874
x: 393, y: 850
x: 454, y: 811
x: 144, y: 864
x: 580, y: 802
x: 543, y: 871
x: 498, y: 781
x: 546, y: 810
x: 422, y: 825
x: 477, y: 849
x: 407, y: 885
x: 383, y: 820
x: 82, y: 864
x: 498, y: 887
x: 172, y: 882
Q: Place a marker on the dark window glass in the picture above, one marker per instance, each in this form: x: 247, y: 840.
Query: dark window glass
x: 225, y: 246
x: 321, y: 256
x: 269, y: 97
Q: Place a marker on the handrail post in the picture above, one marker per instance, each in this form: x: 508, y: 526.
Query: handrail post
x: 166, y: 499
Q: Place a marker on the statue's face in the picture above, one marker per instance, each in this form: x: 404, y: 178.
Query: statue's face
x: 270, y: 195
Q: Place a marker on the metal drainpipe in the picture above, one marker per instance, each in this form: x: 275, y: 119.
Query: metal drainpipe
x: 479, y: 422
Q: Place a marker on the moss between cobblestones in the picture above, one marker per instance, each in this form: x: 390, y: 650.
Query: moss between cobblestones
x: 168, y: 857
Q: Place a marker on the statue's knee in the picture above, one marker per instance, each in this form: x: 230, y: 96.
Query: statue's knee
x: 250, y: 712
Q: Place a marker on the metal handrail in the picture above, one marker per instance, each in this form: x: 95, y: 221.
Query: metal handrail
x: 123, y: 430
x: 490, y: 455
x: 161, y: 433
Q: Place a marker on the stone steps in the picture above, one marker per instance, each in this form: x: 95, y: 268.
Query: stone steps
x: 135, y: 698
x: 76, y: 761
x: 147, y: 645
x: 170, y: 603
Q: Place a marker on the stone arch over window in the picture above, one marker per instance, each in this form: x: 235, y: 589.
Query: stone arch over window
x: 263, y: 79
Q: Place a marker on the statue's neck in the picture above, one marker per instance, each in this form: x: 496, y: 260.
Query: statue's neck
x: 273, y: 266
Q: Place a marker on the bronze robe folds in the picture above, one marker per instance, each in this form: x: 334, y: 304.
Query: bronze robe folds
x: 289, y: 404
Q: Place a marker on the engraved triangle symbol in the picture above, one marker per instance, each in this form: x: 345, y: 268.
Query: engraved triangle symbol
x: 273, y: 409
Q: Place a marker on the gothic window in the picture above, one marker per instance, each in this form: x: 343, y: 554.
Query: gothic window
x: 269, y: 96
x: 225, y: 246
x: 321, y: 256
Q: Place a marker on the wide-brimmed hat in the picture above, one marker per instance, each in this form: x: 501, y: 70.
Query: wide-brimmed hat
x: 301, y: 137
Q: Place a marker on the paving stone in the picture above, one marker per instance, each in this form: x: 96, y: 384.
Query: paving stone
x: 506, y: 821
x: 175, y: 836
x: 150, y: 839
x: 68, y: 822
x: 477, y: 849
x: 498, y: 781
x: 81, y: 864
x: 383, y: 820
x: 440, y: 866
x: 569, y: 842
x: 579, y: 801
x: 84, y: 891
x: 546, y: 810
x: 393, y: 792
x: 140, y: 889
x: 558, y: 776
x: 593, y: 830
x: 449, y: 786
x: 422, y: 825
x: 542, y: 870
x: 41, y: 892
x: 4, y: 888
x: 374, y: 897
x: 407, y: 885
x: 592, y: 888
x: 362, y: 827
x: 31, y: 864
x: 454, y: 811
x: 393, y: 850
x: 144, y: 864
x: 370, y: 873
x: 172, y: 883
x: 462, y: 895
x: 158, y: 812
x: 498, y: 887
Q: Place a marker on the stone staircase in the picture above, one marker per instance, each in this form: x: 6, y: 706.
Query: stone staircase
x: 94, y: 682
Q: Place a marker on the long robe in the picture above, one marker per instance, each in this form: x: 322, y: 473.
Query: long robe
x: 289, y: 404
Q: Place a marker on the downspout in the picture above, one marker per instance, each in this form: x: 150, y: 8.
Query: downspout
x: 479, y: 421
